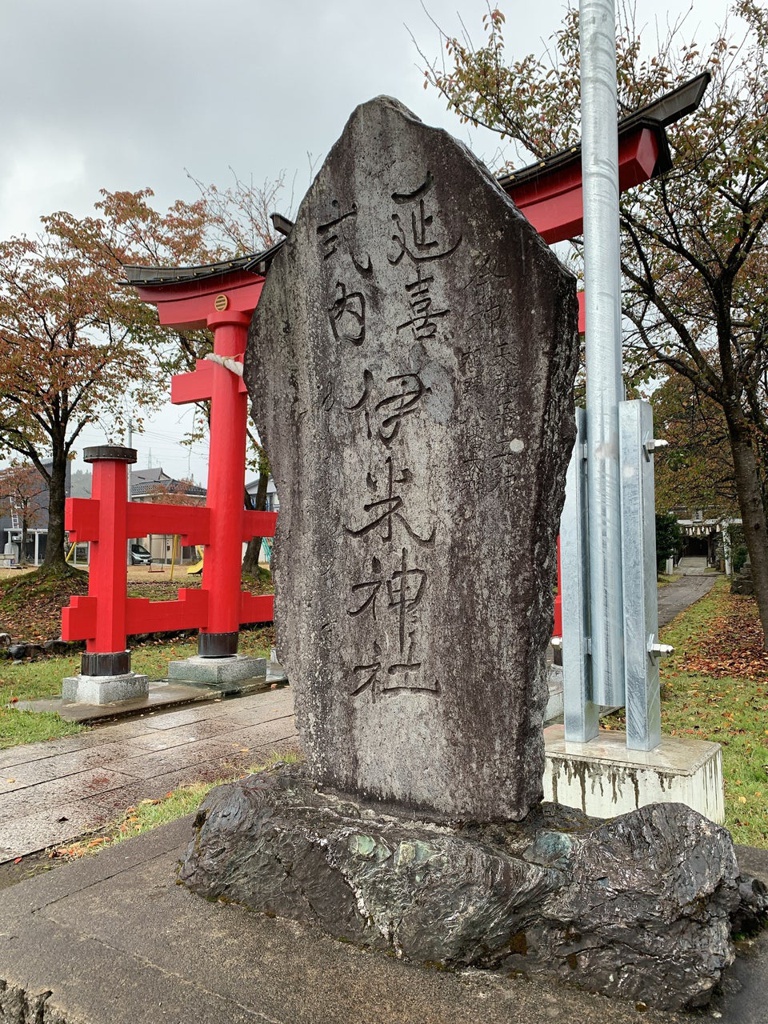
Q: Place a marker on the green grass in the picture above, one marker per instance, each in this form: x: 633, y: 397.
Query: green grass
x: 31, y: 681
x: 32, y: 727
x: 39, y: 585
x: 35, y: 680
x: 730, y: 711
x: 146, y: 815
x: 684, y: 630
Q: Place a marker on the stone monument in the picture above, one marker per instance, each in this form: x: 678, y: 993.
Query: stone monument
x: 411, y: 367
x: 411, y: 364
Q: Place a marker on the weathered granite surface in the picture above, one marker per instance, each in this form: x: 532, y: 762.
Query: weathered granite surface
x: 637, y: 907
x: 411, y: 364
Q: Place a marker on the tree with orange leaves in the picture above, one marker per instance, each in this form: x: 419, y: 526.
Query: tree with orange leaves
x: 71, y: 345
x: 76, y: 345
x: 22, y: 494
x: 694, y: 255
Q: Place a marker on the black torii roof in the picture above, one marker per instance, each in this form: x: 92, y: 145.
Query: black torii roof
x: 254, y: 263
x: 670, y: 107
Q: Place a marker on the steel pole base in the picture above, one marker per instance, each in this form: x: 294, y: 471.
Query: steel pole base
x: 117, y: 663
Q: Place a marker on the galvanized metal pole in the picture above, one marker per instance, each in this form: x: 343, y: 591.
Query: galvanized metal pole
x: 581, y: 716
x: 129, y: 488
x: 602, y: 284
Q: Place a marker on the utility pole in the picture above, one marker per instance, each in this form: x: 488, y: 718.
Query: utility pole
x: 610, y: 611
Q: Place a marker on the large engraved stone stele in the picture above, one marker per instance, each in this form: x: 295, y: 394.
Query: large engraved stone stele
x: 411, y: 364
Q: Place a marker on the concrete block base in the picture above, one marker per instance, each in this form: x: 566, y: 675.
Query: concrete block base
x: 104, y: 689
x: 554, y: 710
x: 604, y: 779
x: 218, y: 672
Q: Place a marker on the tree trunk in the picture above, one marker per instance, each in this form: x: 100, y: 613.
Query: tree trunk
x: 750, y: 494
x: 54, y: 549
x: 257, y: 504
x: 24, y: 538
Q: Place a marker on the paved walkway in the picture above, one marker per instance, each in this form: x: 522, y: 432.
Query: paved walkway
x: 693, y: 565
x: 54, y: 792
x: 684, y: 591
x: 113, y: 938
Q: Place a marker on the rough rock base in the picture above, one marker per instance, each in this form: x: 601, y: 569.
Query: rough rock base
x: 638, y: 907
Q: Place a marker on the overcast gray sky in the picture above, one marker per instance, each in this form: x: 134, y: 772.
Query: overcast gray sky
x: 123, y: 95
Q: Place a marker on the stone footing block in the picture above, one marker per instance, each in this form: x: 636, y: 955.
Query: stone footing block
x: 603, y: 778
x: 218, y: 671
x: 638, y: 907
x: 104, y: 689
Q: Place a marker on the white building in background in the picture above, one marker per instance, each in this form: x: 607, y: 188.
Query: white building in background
x: 273, y: 502
x: 154, y: 486
x: 12, y: 514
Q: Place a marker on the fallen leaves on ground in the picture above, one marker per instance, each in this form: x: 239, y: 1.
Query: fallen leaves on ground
x: 30, y: 605
x: 732, y: 643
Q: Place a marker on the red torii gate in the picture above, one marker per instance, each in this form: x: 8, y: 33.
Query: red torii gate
x: 223, y: 297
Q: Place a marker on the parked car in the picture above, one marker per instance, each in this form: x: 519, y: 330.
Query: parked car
x: 140, y: 555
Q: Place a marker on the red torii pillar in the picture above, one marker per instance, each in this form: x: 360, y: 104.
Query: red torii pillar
x: 224, y: 303
x: 226, y: 468
x: 106, y: 616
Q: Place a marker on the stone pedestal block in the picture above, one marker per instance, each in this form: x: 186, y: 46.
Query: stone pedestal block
x: 84, y: 689
x: 637, y: 907
x: 219, y: 672
x: 603, y: 778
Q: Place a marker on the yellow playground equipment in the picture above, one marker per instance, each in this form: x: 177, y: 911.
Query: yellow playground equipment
x: 197, y: 568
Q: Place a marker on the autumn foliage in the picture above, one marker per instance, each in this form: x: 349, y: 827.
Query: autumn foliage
x: 694, y: 255
x: 77, y: 347
x: 732, y: 645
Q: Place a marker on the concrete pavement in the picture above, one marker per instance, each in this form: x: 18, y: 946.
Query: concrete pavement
x: 51, y: 793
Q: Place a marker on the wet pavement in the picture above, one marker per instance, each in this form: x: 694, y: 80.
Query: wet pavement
x: 687, y: 588
x: 53, y: 792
